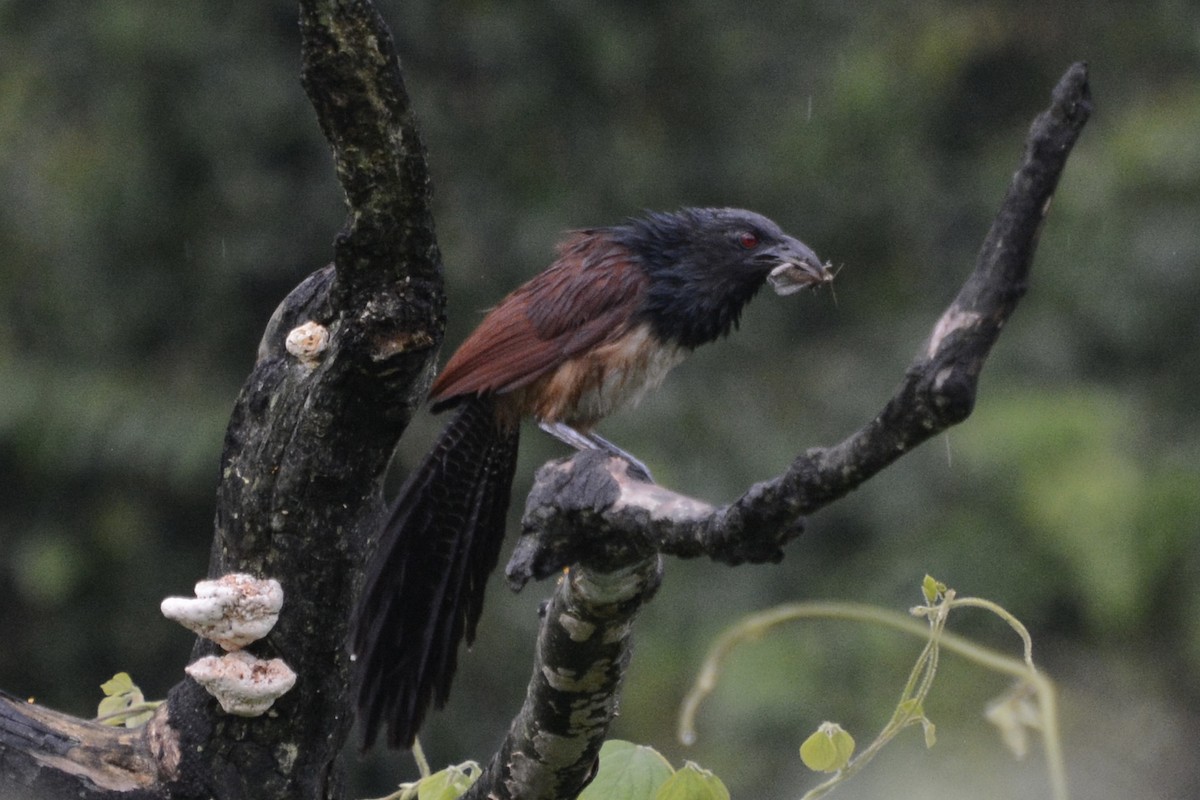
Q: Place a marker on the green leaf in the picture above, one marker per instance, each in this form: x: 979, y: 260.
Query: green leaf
x: 118, y: 684
x: 113, y: 705
x: 692, y: 783
x: 448, y: 784
x: 1015, y: 713
x: 121, y: 693
x: 932, y: 589
x: 930, y: 733
x: 628, y: 771
x: 843, y: 743
x: 828, y: 749
x: 137, y: 720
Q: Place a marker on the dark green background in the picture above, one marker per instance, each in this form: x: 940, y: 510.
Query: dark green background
x: 164, y: 185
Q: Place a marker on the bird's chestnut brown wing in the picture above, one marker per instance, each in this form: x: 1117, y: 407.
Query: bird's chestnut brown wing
x: 583, y: 299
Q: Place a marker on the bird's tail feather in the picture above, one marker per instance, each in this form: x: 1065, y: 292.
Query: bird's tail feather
x: 425, y: 587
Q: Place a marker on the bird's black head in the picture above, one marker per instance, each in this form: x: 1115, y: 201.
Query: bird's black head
x: 705, y: 264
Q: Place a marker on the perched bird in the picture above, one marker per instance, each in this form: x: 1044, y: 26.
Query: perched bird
x: 605, y: 322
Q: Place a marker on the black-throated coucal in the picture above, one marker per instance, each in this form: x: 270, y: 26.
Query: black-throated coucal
x: 605, y: 322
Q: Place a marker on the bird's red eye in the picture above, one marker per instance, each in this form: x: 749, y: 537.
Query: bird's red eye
x: 748, y: 240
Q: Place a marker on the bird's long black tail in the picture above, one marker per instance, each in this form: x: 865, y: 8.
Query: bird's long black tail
x: 425, y: 585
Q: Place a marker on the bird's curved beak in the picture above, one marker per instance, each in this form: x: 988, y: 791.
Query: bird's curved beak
x: 798, y: 268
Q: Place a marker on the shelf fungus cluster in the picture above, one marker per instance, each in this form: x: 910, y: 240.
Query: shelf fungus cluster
x: 234, y: 611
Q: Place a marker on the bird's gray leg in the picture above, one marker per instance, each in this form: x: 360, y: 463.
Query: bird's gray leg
x: 640, y: 469
x: 567, y: 435
x: 592, y: 441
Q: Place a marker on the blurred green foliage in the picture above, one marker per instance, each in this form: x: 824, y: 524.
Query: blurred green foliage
x: 164, y: 185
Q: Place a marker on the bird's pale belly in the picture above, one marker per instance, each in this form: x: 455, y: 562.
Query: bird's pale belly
x: 589, y: 387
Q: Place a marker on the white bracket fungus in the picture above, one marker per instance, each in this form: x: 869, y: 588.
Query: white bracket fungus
x: 243, y: 685
x: 232, y: 611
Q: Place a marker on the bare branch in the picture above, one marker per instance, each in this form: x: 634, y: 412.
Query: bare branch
x: 352, y: 75
x: 588, y: 510
x: 49, y: 754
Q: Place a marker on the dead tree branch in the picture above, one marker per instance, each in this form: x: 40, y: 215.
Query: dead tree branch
x: 586, y: 513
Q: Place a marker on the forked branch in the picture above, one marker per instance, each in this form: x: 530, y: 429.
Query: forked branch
x: 588, y: 514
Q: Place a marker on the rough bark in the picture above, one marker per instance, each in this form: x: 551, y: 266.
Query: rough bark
x: 47, y: 754
x: 303, y: 458
x: 582, y: 654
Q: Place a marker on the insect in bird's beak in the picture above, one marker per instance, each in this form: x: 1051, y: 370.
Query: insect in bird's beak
x: 792, y: 276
